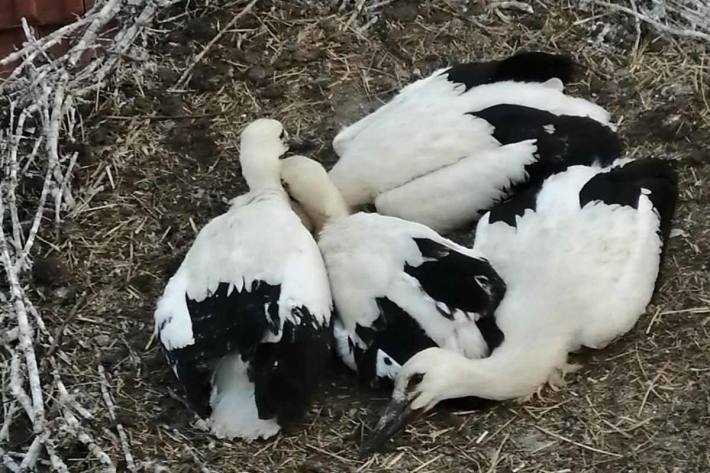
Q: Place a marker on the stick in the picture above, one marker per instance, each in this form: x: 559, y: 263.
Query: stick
x: 580, y: 445
x: 685, y: 33
x: 130, y: 464
x: 183, y: 78
x: 39, y: 99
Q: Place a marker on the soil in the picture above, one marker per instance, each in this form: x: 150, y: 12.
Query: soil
x: 158, y: 163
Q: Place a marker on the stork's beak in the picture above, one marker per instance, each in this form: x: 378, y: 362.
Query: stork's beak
x: 395, y: 416
x: 298, y: 144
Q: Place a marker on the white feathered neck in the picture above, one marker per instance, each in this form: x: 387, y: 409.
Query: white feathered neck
x: 308, y: 183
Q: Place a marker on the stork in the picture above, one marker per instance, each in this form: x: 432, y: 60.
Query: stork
x: 449, y: 146
x: 580, y: 256
x: 398, y: 286
x: 245, y: 320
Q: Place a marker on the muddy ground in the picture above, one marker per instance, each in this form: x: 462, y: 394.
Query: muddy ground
x: 156, y: 164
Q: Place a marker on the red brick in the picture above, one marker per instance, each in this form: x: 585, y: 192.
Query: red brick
x: 41, y: 12
x: 11, y: 39
x: 45, y: 16
x: 49, y: 12
x: 7, y: 14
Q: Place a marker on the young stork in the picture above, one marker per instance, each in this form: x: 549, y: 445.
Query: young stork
x: 580, y: 257
x: 245, y: 320
x: 398, y: 287
x: 449, y: 146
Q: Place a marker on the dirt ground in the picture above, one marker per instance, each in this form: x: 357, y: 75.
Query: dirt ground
x: 156, y: 164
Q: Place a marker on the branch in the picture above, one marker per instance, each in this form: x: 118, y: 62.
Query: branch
x: 130, y: 464
x: 39, y: 102
x: 685, y: 33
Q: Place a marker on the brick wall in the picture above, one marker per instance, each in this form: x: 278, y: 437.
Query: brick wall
x: 44, y: 15
x: 41, y: 12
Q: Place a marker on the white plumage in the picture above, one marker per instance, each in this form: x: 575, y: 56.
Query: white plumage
x: 454, y: 195
x: 245, y: 320
x: 398, y: 286
x: 598, y: 262
x: 570, y: 260
x: 580, y: 258
x: 439, y: 127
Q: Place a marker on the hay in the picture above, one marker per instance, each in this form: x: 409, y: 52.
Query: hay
x: 156, y: 159
x: 682, y: 18
x: 40, y: 100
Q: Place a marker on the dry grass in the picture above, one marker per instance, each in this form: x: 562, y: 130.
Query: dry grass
x: 159, y: 163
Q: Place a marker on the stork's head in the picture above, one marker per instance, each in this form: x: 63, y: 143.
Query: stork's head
x: 263, y: 142
x: 427, y: 378
x: 309, y: 185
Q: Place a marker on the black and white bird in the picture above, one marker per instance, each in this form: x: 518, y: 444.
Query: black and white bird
x: 398, y: 286
x: 245, y: 320
x: 451, y: 145
x: 580, y: 257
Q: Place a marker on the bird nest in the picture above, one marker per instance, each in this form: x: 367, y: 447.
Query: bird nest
x: 112, y: 162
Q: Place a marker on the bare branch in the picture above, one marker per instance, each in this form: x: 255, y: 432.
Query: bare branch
x: 39, y: 101
x: 695, y: 17
x: 130, y: 464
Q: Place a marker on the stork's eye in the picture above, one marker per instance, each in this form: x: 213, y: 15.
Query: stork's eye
x: 283, y: 134
x: 414, y: 380
x: 482, y: 280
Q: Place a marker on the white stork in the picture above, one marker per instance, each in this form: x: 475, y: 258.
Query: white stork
x: 449, y: 146
x: 580, y: 256
x: 398, y: 286
x: 245, y: 320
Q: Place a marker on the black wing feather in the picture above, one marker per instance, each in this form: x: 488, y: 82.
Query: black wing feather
x: 622, y: 185
x: 395, y: 333
x: 287, y: 373
x: 222, y: 324
x: 562, y: 140
x: 450, y: 277
x: 521, y: 67
x: 515, y: 206
x: 400, y: 337
x: 458, y: 280
x: 461, y: 282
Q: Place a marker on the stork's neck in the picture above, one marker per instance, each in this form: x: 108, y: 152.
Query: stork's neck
x: 262, y: 182
x: 332, y: 208
x: 336, y: 209
x: 515, y: 369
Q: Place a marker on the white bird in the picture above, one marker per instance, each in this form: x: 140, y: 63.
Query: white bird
x: 245, y: 320
x: 398, y: 286
x: 449, y: 146
x: 580, y: 258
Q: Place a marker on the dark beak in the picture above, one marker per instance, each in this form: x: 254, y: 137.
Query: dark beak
x: 395, y: 416
x: 297, y: 144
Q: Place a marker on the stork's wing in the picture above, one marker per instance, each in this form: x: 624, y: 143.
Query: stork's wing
x: 521, y: 67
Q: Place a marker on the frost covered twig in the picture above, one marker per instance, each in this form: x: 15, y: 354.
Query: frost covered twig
x: 125, y: 446
x: 684, y: 18
x: 39, y: 101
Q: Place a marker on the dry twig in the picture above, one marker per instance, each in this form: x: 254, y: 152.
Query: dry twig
x: 40, y: 99
x: 684, y: 18
x: 183, y: 78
